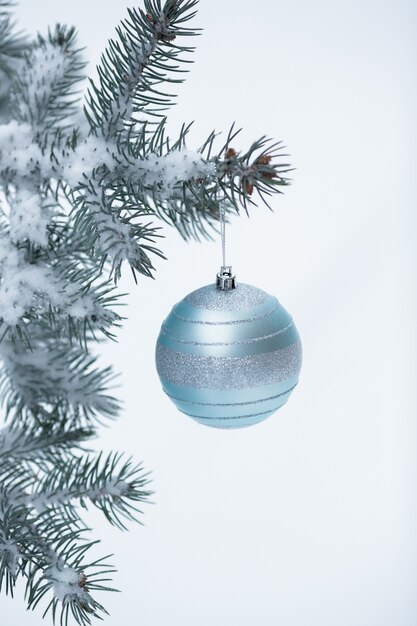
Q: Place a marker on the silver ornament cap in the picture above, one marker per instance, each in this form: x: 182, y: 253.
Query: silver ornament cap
x: 228, y: 355
x: 225, y: 279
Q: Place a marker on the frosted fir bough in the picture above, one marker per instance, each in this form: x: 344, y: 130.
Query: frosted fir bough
x: 86, y: 186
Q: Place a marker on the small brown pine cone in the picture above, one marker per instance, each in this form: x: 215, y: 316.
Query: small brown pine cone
x: 248, y: 187
x: 230, y: 153
x: 264, y: 159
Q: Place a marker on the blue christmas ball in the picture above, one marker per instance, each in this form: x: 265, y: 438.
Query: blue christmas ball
x: 228, y: 358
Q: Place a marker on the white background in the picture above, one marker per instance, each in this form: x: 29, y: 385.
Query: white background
x: 309, y: 518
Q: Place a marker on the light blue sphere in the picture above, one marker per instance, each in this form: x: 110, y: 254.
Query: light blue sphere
x: 228, y: 358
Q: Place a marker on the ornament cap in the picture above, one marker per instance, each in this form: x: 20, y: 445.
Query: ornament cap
x: 225, y: 279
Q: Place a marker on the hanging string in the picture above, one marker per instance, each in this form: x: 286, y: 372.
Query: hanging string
x: 223, y: 231
x: 225, y: 280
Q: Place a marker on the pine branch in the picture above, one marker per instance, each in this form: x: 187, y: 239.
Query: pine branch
x: 181, y: 187
x: 12, y: 537
x: 44, y: 93
x: 34, y: 441
x: 114, y: 234
x: 79, y: 197
x: 47, y: 547
x: 12, y: 42
x: 64, y: 571
x: 53, y: 373
x: 134, y: 67
x: 12, y: 47
x: 110, y: 483
x: 51, y: 556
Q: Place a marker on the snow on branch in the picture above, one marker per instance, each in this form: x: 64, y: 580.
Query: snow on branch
x: 115, y: 198
x: 134, y: 67
x: 32, y: 441
x: 110, y: 483
x: 21, y: 157
x: 43, y: 93
x: 51, y: 373
x: 83, y: 191
x: 53, y: 558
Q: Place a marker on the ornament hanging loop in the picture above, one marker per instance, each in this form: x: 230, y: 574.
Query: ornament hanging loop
x: 225, y: 279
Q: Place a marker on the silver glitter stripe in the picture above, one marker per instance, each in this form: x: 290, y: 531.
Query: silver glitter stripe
x: 228, y: 372
x: 248, y: 319
x: 230, y: 403
x: 165, y: 331
x: 233, y: 417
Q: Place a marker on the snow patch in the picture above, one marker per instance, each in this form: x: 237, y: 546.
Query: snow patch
x: 47, y: 66
x: 175, y: 167
x: 9, y: 554
x: 28, y: 219
x: 19, y: 151
x: 8, y: 439
x: 90, y: 154
x: 66, y: 583
x: 113, y: 487
x: 20, y: 281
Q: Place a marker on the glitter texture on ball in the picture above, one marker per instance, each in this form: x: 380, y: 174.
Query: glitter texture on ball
x: 228, y: 358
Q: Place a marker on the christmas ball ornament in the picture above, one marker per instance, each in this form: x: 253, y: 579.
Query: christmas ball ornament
x: 228, y: 355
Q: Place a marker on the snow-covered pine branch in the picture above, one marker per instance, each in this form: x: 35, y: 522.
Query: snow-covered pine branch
x: 29, y: 441
x: 135, y: 67
x: 51, y: 555
x: 53, y: 373
x: 111, y: 483
x: 83, y: 192
x: 41, y: 534
x: 44, y: 92
x: 116, y: 202
x: 12, y: 47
